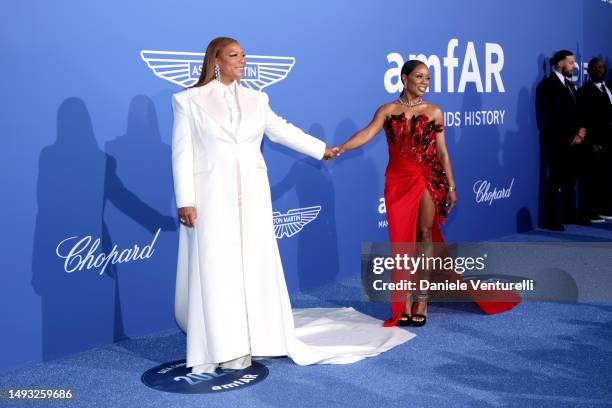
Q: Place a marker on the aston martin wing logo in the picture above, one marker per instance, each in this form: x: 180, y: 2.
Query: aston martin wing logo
x: 184, y: 68
x: 289, y: 224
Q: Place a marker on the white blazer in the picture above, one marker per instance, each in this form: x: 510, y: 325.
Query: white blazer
x: 203, y: 136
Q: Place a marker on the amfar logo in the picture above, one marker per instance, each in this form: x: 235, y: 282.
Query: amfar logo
x: 382, y: 209
x: 184, y: 68
x: 484, y: 195
x: 470, y: 68
x: 292, y: 222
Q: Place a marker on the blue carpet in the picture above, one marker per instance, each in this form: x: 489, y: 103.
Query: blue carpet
x: 541, y: 354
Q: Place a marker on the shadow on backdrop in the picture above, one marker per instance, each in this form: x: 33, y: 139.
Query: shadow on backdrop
x: 80, y: 308
x: 144, y: 165
x: 514, y: 140
x: 358, y: 188
x: 486, y: 156
x: 317, y: 248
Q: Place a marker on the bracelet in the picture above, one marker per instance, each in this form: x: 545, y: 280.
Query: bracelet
x: 451, y: 188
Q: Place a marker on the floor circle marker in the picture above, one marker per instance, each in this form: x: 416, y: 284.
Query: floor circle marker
x: 176, y: 377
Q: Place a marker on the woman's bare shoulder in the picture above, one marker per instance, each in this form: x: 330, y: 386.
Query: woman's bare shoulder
x: 390, y: 108
x: 432, y: 108
x: 433, y: 111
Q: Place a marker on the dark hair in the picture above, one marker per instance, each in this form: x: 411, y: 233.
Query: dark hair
x: 208, y: 66
x: 592, y: 64
x: 408, y: 67
x: 560, y: 56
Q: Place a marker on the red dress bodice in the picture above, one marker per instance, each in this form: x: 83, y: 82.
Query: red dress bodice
x: 412, y: 152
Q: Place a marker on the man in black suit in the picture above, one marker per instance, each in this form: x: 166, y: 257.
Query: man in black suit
x: 561, y: 132
x: 595, y: 104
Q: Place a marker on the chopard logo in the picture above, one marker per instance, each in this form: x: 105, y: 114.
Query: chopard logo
x: 483, y: 195
x: 293, y: 221
x: 184, y: 68
x: 82, y: 253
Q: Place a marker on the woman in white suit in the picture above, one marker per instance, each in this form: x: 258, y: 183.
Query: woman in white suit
x: 231, y: 297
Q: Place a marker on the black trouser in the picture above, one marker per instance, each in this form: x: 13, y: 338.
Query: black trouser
x: 606, y: 180
x: 593, y: 182
x: 560, y: 190
x: 603, y: 182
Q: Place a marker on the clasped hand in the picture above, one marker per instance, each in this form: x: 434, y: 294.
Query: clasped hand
x: 332, y: 152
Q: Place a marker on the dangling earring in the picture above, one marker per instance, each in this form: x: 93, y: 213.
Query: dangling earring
x: 217, y: 73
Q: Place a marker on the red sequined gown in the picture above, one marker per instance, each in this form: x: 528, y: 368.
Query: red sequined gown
x: 413, y: 167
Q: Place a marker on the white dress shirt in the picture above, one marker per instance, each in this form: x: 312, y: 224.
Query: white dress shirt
x: 231, y: 100
x: 562, y: 78
x: 605, y: 88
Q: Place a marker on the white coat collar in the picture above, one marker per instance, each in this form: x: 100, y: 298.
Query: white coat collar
x: 211, y: 100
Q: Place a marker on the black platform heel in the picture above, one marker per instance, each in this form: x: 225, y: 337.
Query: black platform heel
x: 422, y: 318
x: 405, y: 320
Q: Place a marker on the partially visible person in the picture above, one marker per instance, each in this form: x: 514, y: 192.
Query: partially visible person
x: 595, y: 104
x: 562, y: 133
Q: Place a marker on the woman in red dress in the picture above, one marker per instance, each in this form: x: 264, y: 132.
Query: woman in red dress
x: 419, y: 187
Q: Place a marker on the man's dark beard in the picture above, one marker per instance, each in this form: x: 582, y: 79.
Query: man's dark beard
x: 597, y: 78
x: 568, y: 73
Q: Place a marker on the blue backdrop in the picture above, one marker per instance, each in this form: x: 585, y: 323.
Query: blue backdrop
x: 87, y: 124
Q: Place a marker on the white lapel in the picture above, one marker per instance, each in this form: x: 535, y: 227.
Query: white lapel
x: 248, y: 109
x: 211, y: 100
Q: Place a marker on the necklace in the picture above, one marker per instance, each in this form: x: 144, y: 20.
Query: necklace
x: 409, y: 103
